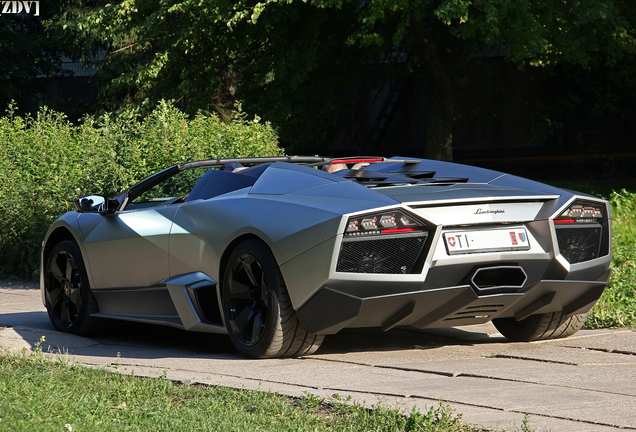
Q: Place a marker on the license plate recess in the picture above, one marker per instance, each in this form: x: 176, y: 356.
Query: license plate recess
x: 486, y: 240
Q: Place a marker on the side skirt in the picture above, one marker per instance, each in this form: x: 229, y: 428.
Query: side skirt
x: 189, y: 302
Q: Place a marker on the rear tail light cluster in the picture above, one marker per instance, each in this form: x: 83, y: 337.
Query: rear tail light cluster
x: 390, y: 222
x: 579, y: 231
x: 388, y: 242
x: 582, y: 212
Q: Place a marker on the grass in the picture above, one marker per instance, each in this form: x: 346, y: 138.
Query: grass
x: 37, y: 394
x: 617, y: 306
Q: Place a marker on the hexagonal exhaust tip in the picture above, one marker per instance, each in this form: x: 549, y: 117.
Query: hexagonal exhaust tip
x: 488, y: 278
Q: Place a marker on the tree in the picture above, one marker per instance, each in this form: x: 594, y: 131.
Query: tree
x: 198, y: 56
x: 26, y: 53
x: 288, y: 58
x: 444, y: 35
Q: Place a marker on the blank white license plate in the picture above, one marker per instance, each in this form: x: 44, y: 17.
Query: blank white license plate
x: 488, y: 240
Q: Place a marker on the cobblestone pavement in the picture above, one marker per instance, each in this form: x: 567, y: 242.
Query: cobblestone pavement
x: 584, y: 383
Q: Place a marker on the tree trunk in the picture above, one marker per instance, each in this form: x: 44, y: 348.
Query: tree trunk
x: 440, y: 113
x: 439, y: 119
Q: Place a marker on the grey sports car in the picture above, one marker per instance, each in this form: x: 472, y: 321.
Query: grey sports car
x: 278, y: 252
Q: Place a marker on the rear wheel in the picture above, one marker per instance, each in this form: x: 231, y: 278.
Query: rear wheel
x: 258, y: 313
x: 540, y: 327
x: 68, y: 297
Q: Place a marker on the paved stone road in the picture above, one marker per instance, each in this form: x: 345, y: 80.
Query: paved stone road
x: 584, y: 383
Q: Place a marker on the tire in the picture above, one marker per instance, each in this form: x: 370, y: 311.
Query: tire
x: 540, y: 327
x: 68, y: 297
x: 257, y: 309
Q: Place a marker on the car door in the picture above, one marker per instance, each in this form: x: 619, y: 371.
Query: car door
x: 129, y: 248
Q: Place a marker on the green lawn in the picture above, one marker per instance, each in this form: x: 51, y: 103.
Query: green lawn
x: 37, y: 394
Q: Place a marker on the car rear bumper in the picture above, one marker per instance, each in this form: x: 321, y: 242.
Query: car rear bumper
x: 335, y: 306
x: 522, y: 266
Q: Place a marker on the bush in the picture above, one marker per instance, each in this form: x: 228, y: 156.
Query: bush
x: 617, y: 306
x: 46, y: 162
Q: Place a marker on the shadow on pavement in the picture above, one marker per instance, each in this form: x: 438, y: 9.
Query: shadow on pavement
x: 155, y: 341
x: 35, y: 319
x: 360, y: 340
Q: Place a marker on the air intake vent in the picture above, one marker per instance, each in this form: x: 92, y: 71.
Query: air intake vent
x: 396, y: 255
x: 481, y: 312
x: 579, y: 243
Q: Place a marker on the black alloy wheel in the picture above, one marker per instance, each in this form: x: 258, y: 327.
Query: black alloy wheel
x: 258, y: 312
x: 69, y: 301
x: 247, y: 299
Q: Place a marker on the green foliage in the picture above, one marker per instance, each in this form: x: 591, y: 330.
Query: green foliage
x: 37, y: 394
x: 617, y: 306
x: 536, y: 33
x: 300, y: 62
x: 546, y: 33
x: 196, y: 56
x: 46, y: 162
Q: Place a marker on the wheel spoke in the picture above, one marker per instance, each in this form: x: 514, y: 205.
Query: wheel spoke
x: 249, y: 324
x: 75, y: 297
x: 245, y: 279
x: 249, y: 271
x: 56, y: 305
x: 238, y: 289
x: 64, y: 314
x: 70, y: 266
x: 55, y: 270
x: 257, y: 326
x: 239, y: 323
x: 53, y: 295
x: 264, y: 293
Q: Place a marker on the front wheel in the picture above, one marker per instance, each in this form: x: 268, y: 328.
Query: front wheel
x: 258, y: 313
x: 68, y: 297
x: 540, y: 327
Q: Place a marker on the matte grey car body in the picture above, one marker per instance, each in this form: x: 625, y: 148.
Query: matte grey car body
x: 399, y: 242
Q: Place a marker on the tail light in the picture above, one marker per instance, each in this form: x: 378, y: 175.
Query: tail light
x: 582, y: 212
x: 377, y: 224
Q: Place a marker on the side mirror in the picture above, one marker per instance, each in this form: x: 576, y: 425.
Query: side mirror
x: 95, y: 204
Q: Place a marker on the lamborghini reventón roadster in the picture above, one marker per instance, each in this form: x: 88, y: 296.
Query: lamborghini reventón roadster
x: 278, y: 252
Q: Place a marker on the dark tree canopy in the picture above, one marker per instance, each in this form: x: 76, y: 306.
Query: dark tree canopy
x: 295, y: 62
x: 200, y: 57
x: 26, y: 54
x: 444, y: 35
